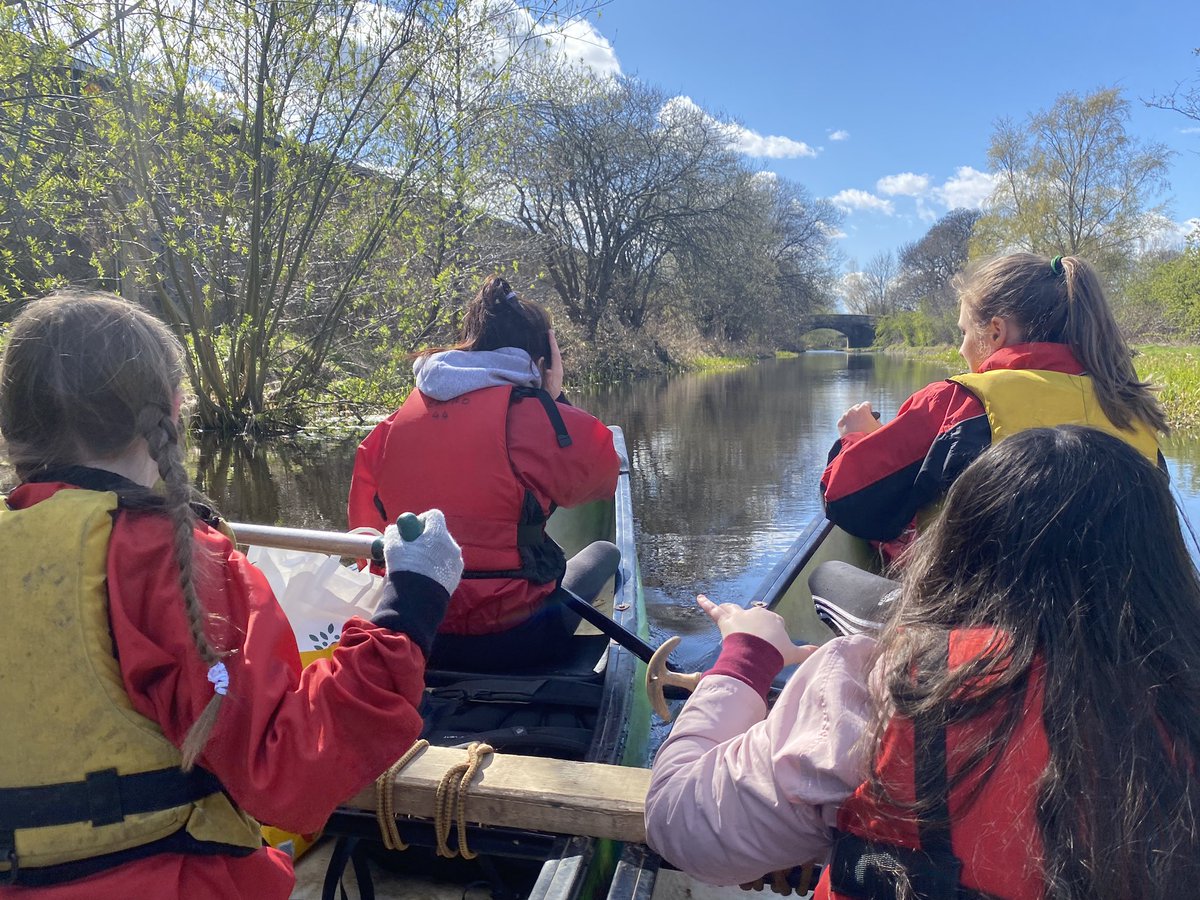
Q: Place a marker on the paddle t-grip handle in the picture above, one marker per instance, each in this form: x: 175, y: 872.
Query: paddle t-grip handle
x: 410, y: 528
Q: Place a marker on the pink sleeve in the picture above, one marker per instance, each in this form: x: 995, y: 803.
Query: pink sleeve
x: 737, y: 792
x: 288, y: 745
x: 585, y: 470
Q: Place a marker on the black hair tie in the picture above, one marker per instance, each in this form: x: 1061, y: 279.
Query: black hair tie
x: 1056, y: 265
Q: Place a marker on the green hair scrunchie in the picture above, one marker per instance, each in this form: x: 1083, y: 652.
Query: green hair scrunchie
x: 1056, y: 265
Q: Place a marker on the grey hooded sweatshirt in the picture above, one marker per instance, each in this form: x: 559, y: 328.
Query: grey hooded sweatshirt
x: 452, y: 373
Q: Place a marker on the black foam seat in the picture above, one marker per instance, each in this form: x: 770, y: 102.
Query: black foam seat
x: 851, y: 600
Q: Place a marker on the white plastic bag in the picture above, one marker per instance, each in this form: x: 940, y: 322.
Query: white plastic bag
x: 317, y: 593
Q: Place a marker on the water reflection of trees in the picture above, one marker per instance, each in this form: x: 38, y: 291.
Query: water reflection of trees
x: 301, y: 483
x: 720, y: 461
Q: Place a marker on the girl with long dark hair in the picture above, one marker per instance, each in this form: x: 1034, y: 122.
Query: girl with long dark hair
x: 1027, y: 724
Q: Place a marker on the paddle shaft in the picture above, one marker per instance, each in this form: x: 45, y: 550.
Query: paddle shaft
x: 334, y: 543
x: 610, y: 627
x: 361, y: 546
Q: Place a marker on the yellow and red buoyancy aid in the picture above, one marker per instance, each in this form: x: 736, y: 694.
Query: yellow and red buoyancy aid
x: 82, y: 774
x: 1017, y: 399
x: 453, y: 455
x: 991, y: 846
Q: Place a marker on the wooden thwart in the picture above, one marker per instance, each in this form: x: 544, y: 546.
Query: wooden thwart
x: 553, y: 795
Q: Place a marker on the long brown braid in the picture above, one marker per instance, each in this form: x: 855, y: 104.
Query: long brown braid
x: 85, y: 374
x: 162, y: 438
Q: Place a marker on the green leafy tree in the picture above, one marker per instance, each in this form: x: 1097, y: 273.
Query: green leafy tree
x: 1072, y: 180
x: 1174, y: 286
x: 265, y: 173
x: 47, y: 197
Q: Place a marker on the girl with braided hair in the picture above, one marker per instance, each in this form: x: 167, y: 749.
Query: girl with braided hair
x: 488, y: 437
x: 150, y: 686
x: 1043, y: 349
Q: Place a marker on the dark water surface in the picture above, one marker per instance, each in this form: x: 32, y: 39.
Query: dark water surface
x: 725, y: 472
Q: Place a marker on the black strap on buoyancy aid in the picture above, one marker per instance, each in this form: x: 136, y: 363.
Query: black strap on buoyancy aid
x: 101, y: 798
x: 542, y: 560
x: 550, y: 405
x: 873, y: 869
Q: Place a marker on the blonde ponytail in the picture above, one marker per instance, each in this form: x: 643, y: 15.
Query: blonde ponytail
x: 1062, y: 301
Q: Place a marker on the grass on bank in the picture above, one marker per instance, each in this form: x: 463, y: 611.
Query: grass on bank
x: 720, y: 363
x: 1176, y: 372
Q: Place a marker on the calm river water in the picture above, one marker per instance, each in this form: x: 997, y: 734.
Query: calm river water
x: 725, y: 472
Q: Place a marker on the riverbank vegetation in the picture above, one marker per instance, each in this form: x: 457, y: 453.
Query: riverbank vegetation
x: 1176, y: 372
x: 307, y: 192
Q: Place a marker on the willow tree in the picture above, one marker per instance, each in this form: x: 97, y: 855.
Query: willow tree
x: 261, y: 167
x: 47, y: 198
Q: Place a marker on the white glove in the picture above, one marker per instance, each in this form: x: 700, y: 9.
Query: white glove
x: 433, y: 554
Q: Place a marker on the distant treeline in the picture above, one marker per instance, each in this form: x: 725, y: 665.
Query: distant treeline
x: 1069, y: 180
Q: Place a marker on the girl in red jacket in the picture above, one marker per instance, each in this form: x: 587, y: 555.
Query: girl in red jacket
x: 489, y: 438
x: 150, y: 685
x: 1043, y: 349
x: 1027, y: 726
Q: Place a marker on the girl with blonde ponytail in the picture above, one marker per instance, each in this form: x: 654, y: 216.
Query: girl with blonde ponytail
x: 1043, y: 348
x: 149, y: 683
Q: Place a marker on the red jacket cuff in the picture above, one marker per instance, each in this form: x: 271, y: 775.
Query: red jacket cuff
x: 749, y: 659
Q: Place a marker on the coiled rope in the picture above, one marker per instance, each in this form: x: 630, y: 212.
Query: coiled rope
x: 449, y: 803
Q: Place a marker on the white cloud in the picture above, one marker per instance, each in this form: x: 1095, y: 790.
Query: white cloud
x: 510, y: 31
x: 831, y: 231
x: 968, y: 188
x: 906, y: 184
x: 1194, y: 129
x: 840, y: 135
x: 773, y: 146
x: 742, y: 139
x: 1163, y: 233
x: 853, y: 199
x: 577, y: 42
x: 924, y: 212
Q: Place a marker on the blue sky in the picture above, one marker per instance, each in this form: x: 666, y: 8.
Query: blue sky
x: 887, y: 108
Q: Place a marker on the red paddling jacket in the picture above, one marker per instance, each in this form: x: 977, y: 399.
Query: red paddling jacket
x: 497, y: 461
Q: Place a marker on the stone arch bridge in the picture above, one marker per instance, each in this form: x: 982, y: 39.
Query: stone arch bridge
x: 859, y: 330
